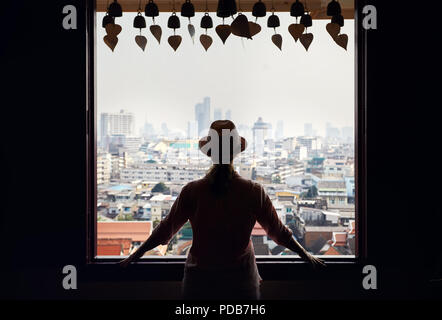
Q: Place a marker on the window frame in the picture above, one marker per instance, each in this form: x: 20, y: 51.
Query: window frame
x: 169, y: 266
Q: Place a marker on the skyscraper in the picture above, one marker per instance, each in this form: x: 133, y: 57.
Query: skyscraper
x: 261, y: 130
x: 192, y: 130
x: 228, y: 115
x: 217, y: 114
x: 202, y: 116
x: 279, y: 134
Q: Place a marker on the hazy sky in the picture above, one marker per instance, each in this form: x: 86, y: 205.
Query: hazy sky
x: 251, y: 77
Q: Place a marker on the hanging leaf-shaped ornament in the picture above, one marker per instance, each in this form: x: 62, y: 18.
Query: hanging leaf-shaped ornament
x: 141, y: 41
x: 174, y: 41
x: 223, y: 31
x: 296, y: 30
x: 342, y: 40
x: 277, y: 40
x: 206, y: 41
x: 156, y: 32
x: 191, y: 30
x: 240, y: 26
x: 254, y: 28
x: 110, y: 41
x: 113, y: 29
x: 306, y: 39
x: 333, y: 29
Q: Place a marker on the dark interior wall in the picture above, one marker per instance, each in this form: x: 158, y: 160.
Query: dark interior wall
x: 43, y: 152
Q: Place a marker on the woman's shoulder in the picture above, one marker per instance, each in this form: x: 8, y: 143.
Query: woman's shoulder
x: 252, y: 185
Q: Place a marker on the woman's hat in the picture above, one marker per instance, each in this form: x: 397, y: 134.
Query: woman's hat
x: 222, y: 136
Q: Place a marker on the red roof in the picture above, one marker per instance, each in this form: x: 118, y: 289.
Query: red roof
x: 258, y: 230
x: 339, y: 239
x: 109, y: 250
x: 331, y: 251
x: 135, y: 230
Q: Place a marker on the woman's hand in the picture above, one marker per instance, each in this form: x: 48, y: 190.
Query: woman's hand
x: 312, y: 260
x: 124, y: 263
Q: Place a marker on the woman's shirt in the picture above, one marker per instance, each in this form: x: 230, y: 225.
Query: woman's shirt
x: 222, y: 226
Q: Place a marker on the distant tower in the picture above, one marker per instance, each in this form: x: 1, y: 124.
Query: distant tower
x: 202, y: 116
x: 217, y: 114
x: 228, y: 115
x: 279, y: 134
x: 260, y: 131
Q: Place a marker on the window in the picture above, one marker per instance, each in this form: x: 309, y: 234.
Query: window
x: 295, y: 108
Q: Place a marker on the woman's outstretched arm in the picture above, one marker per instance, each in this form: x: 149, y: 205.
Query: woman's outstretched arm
x: 168, y: 227
x: 268, y: 218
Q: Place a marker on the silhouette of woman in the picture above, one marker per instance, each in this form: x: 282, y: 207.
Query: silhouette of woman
x: 222, y: 208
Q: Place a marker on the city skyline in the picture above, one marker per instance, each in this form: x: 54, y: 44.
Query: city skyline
x: 251, y: 78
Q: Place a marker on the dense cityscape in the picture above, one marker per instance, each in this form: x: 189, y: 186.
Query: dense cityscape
x: 309, y: 178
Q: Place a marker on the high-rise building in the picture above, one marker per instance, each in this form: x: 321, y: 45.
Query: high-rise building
x: 122, y: 123
x: 228, y: 115
x: 217, y: 114
x: 308, y: 130
x: 202, y: 116
x: 261, y: 131
x: 192, y: 130
x: 347, y: 134
x: 279, y: 134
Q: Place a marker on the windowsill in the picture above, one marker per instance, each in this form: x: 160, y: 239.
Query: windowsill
x: 172, y: 269
x: 259, y: 259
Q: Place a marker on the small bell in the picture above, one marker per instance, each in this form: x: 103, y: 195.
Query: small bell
x: 206, y: 21
x: 139, y: 21
x: 273, y: 21
x: 306, y: 20
x: 226, y: 8
x: 107, y: 19
x: 187, y: 9
x: 333, y: 8
x: 173, y: 22
x: 338, y: 19
x: 297, y: 9
x: 151, y: 9
x: 259, y: 9
x: 115, y: 9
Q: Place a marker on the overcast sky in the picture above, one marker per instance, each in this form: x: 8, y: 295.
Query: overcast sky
x: 251, y: 77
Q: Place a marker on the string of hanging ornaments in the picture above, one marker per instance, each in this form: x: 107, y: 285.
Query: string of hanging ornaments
x: 240, y: 26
